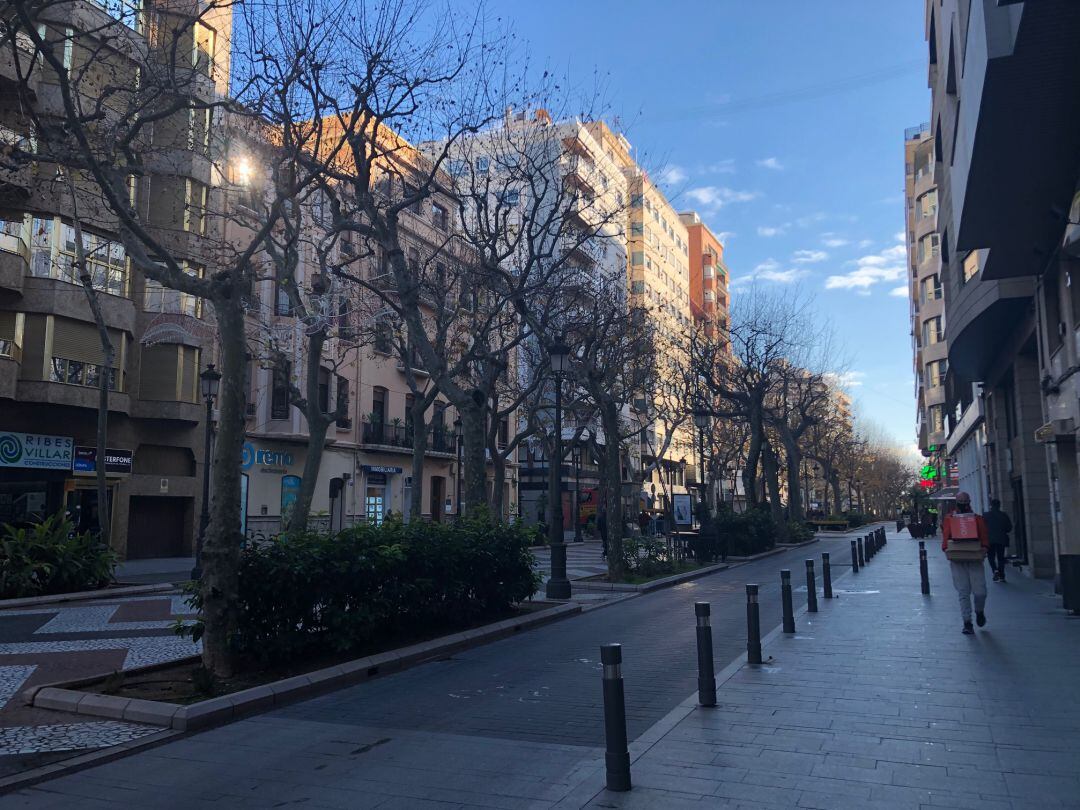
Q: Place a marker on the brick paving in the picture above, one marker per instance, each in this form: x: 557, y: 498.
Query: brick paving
x: 877, y: 702
x: 59, y: 642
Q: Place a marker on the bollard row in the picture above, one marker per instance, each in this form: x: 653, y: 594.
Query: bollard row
x: 924, y: 570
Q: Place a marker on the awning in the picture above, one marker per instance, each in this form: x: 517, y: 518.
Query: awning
x: 946, y: 494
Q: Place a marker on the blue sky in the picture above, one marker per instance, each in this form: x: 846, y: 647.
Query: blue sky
x: 781, y: 122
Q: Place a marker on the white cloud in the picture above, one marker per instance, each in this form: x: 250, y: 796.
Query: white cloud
x: 830, y: 239
x: 725, y: 236
x: 770, y: 270
x: 888, y: 265
x: 809, y: 256
x: 848, y: 379
x: 810, y: 219
x: 899, y: 292
x: 771, y: 163
x: 770, y: 231
x: 899, y: 236
x: 726, y: 166
x: 713, y: 198
x: 865, y: 243
x: 672, y: 175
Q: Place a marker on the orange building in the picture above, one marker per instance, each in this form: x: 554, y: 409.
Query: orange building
x: 709, y: 298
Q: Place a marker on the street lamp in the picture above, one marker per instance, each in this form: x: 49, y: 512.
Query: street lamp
x: 577, y: 492
x: 457, y: 478
x: 701, y: 421
x: 209, y: 384
x: 558, y: 586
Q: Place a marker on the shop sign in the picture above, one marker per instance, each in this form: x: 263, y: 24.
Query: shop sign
x: 261, y: 457
x: 117, y: 462
x: 36, y: 451
x: 374, y: 468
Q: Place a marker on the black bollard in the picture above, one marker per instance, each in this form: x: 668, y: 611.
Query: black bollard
x: 811, y: 588
x: 785, y: 596
x: 868, y: 547
x: 617, y: 756
x: 884, y: 537
x: 854, y: 558
x: 753, y: 626
x: 706, y: 677
x: 924, y: 570
x: 862, y: 555
x: 826, y: 574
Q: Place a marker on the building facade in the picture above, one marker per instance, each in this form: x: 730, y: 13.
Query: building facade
x: 710, y: 299
x: 1006, y: 131
x: 51, y: 356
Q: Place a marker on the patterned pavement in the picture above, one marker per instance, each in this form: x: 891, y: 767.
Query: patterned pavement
x: 62, y: 642
x: 583, y: 560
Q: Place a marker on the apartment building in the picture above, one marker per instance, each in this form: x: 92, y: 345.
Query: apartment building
x: 658, y: 273
x: 926, y: 299
x: 710, y: 299
x: 366, y: 471
x: 1005, y: 123
x: 51, y: 360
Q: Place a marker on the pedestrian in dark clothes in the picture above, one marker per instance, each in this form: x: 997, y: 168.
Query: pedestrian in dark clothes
x: 998, y: 527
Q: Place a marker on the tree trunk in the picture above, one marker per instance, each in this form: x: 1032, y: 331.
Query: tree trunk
x: 834, y: 480
x: 419, y: 445
x: 317, y: 424
x: 474, y: 492
x: 221, y: 546
x: 794, y: 463
x: 772, y: 482
x: 753, y: 454
x: 498, y: 479
x: 611, y: 476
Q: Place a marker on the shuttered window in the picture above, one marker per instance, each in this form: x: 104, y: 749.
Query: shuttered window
x: 169, y: 373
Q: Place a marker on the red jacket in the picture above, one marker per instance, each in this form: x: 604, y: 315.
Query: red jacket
x: 980, y: 526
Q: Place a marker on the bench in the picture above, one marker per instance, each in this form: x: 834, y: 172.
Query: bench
x: 829, y: 525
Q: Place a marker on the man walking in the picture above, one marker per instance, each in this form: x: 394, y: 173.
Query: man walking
x: 965, y: 543
x: 998, y: 527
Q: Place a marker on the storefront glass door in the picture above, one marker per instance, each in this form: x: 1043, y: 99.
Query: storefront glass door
x: 374, y: 505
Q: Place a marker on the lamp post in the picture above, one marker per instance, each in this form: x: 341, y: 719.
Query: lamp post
x: 701, y: 421
x: 558, y: 586
x: 457, y: 478
x: 209, y: 384
x: 577, y: 492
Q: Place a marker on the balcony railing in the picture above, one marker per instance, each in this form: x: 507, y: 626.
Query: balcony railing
x: 386, y: 434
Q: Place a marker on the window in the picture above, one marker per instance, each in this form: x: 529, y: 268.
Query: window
x: 440, y: 216
x: 409, y: 191
x: 324, y: 391
x: 279, y: 397
x: 504, y: 433
x: 971, y: 265
x: 196, y: 197
x: 53, y: 255
x: 482, y: 165
x: 378, y: 405
x: 637, y: 287
x: 14, y: 236
x: 342, y: 401
x: 936, y: 418
x: 636, y: 200
x: 200, y: 123
x: 158, y: 298
x: 928, y: 204
x: 75, y: 372
x: 282, y: 305
x: 384, y: 336
x: 930, y: 289
x: 455, y: 168
x: 127, y: 12
x: 935, y: 373
x: 637, y: 228
x: 637, y: 258
x: 929, y: 247
x: 409, y: 400
x: 932, y: 331
x: 510, y: 197
x: 202, y: 54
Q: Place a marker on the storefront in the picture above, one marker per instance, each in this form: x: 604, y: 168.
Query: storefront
x: 35, y: 470
x: 81, y: 496
x: 385, y: 489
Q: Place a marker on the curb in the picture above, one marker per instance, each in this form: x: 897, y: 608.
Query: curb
x: 646, y: 587
x: 260, y: 698
x: 779, y: 549
x: 80, y: 596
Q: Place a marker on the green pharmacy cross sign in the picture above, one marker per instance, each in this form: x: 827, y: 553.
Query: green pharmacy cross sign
x: 929, y: 471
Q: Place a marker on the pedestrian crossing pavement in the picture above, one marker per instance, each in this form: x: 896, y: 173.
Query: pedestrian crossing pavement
x: 583, y: 560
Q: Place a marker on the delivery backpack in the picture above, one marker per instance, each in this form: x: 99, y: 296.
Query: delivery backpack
x: 964, y: 545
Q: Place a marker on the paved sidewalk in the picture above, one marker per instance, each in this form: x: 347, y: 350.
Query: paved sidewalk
x: 880, y: 702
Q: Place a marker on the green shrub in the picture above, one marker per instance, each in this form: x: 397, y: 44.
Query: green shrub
x: 313, y: 593
x: 646, y: 556
x: 50, y: 557
x: 857, y: 519
x: 799, y: 532
x: 744, y: 533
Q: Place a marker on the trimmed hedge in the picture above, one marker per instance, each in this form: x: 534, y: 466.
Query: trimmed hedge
x: 743, y: 533
x: 50, y: 557
x: 316, y: 593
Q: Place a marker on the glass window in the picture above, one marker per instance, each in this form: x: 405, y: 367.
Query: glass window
x: 930, y: 288
x: 440, y: 217
x: 482, y: 164
x: 637, y: 257
x: 929, y: 247
x: 935, y: 373
x: 932, y: 331
x: 53, y: 255
x: 279, y: 397
x: 971, y: 265
x: 124, y: 11
x: 159, y: 298
x: 75, y: 372
x: 202, y: 55
x: 196, y: 197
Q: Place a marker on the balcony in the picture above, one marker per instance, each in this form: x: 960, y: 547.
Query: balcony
x: 981, y: 317
x: 580, y: 174
x: 19, y: 62
x: 14, y: 262
x: 398, y: 438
